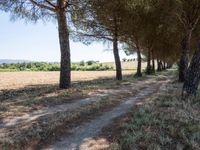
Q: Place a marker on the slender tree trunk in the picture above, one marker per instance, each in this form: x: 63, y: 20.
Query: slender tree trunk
x: 193, y: 74
x: 139, y: 65
x: 116, y: 51
x: 148, y: 71
x: 117, y: 59
x: 169, y: 65
x: 159, y: 67
x: 164, y: 65
x: 153, y: 62
x: 65, y: 70
x: 184, y: 60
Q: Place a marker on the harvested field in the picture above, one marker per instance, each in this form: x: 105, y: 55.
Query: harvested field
x: 127, y: 65
x: 13, y: 80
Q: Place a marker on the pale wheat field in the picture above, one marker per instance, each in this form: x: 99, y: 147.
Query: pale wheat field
x: 13, y: 80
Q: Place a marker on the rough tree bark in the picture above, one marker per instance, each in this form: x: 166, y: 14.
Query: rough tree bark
x: 159, y: 67
x: 153, y: 61
x: 184, y: 60
x: 193, y: 74
x: 116, y: 51
x: 65, y: 72
x: 164, y: 64
x: 139, y: 65
x: 148, y: 70
x: 117, y: 59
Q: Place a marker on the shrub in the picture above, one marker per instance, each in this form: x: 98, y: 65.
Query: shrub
x: 42, y: 66
x: 82, y: 63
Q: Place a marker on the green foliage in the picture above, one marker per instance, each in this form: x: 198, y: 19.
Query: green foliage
x: 90, y: 66
x: 91, y: 62
x: 30, y: 66
x: 82, y: 63
x: 42, y: 66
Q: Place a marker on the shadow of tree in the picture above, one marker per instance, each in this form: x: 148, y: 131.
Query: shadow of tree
x: 38, y: 94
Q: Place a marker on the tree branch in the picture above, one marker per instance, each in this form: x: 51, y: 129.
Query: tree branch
x: 51, y: 4
x: 96, y: 36
x: 42, y: 5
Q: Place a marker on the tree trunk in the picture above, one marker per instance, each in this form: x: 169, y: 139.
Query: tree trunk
x: 193, y: 74
x: 164, y: 65
x: 184, y: 60
x: 116, y: 51
x: 117, y: 59
x: 153, y: 61
x: 65, y: 64
x: 159, y: 65
x: 139, y: 65
x: 148, y: 71
x: 169, y: 65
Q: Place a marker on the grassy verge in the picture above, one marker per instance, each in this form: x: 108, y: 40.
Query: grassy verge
x: 165, y: 123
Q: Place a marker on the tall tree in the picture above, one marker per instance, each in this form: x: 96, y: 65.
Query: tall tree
x: 131, y: 29
x: 101, y: 22
x: 187, y: 14
x: 193, y: 74
x: 44, y: 9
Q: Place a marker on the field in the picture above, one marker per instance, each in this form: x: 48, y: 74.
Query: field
x: 127, y: 65
x: 27, y: 98
x: 36, y: 114
x: 13, y: 80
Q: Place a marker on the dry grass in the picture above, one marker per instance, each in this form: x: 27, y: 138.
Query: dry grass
x: 128, y: 65
x: 167, y: 122
x: 43, y: 130
x: 14, y: 80
x: 27, y: 90
x: 23, y: 99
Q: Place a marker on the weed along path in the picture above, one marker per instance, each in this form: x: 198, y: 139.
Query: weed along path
x: 83, y: 134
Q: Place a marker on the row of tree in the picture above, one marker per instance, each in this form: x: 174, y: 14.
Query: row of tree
x: 163, y: 31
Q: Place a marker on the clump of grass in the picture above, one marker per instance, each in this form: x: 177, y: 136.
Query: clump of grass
x: 167, y: 123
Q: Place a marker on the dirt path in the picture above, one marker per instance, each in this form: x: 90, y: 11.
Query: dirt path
x: 32, y: 116
x: 5, y: 123
x: 83, y: 134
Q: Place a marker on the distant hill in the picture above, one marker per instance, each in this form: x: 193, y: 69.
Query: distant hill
x: 12, y: 61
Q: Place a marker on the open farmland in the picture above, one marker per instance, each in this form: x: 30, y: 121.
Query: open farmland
x: 13, y: 80
x: 132, y: 65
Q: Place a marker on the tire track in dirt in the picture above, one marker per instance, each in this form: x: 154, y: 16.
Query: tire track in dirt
x: 32, y: 116
x: 81, y: 135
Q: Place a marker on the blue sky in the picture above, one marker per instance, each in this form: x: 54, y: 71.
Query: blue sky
x: 39, y: 42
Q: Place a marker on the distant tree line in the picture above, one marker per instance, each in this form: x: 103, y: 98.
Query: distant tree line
x: 43, y: 66
x: 134, y: 59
